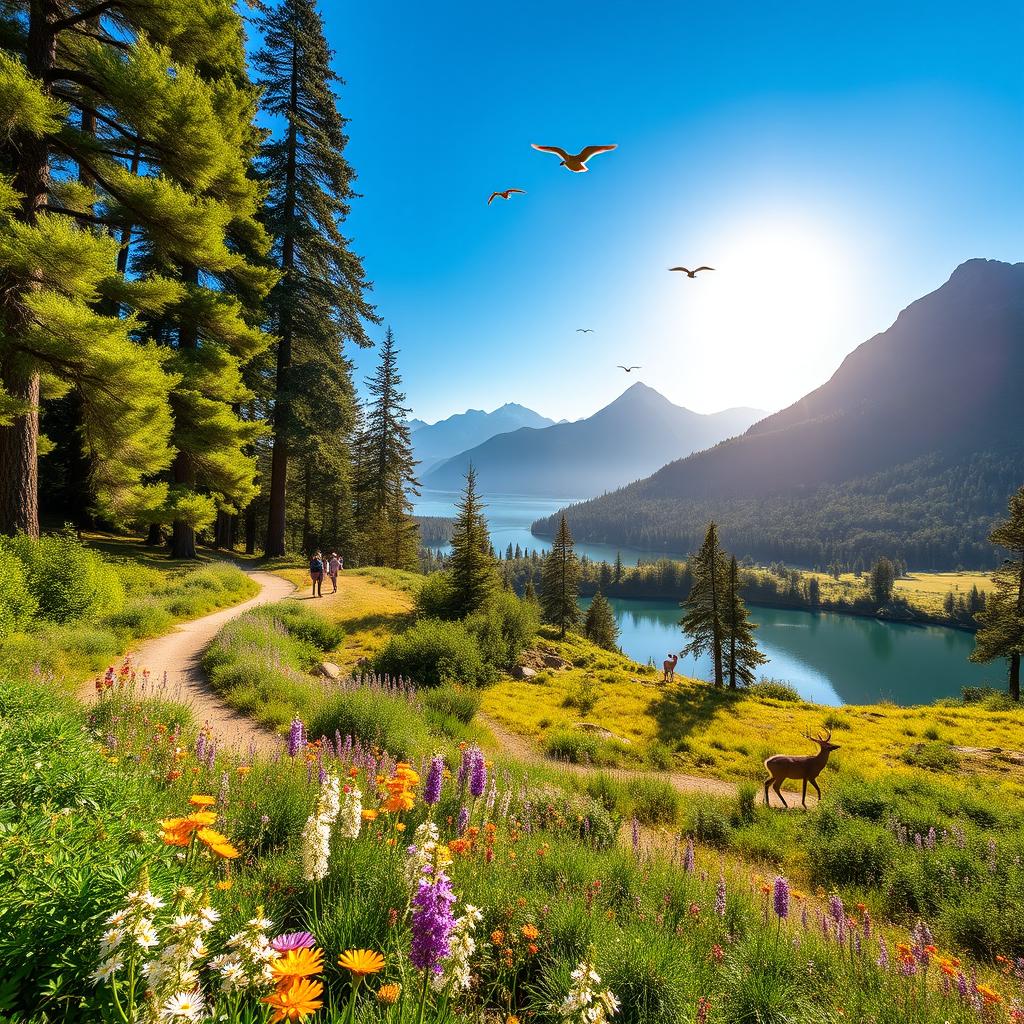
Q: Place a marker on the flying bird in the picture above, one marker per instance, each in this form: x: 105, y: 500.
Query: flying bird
x: 506, y: 194
x: 584, y: 330
x: 691, y: 273
x: 629, y: 369
x: 574, y: 161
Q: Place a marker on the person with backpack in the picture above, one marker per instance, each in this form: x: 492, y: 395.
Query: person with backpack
x: 316, y: 573
x: 334, y: 565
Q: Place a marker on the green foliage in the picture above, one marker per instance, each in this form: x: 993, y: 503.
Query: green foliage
x: 706, y: 606
x: 68, y: 581
x: 933, y: 756
x: 433, y: 652
x: 774, y: 689
x: 436, y: 598
x: 655, y: 801
x: 600, y: 626
x: 560, y: 582
x: 376, y: 717
x: 503, y: 628
x: 881, y: 580
x: 17, y: 602
x: 453, y: 701
x: 742, y: 655
x: 473, y: 572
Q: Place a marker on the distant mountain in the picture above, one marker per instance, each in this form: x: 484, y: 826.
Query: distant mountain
x: 633, y: 435
x: 910, y: 449
x: 433, y: 442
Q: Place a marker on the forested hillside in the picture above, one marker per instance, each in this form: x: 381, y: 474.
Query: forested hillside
x: 911, y: 449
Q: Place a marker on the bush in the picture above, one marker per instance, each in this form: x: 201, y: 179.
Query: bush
x: 710, y: 824
x: 66, y: 579
x: 436, y: 599
x: 141, y: 616
x: 857, y: 854
x: 936, y: 757
x: 504, y: 628
x: 433, y: 652
x: 578, y: 747
x: 746, y: 799
x: 655, y: 802
x: 17, y: 603
x: 375, y: 717
x: 774, y: 689
x: 453, y: 701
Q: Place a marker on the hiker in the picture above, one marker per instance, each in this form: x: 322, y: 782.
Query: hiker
x: 316, y: 573
x: 334, y: 565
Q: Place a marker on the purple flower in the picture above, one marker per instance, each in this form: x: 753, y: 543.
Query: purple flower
x: 781, y: 897
x: 636, y: 834
x: 835, y: 908
x: 200, y: 746
x: 211, y: 754
x: 293, y: 940
x: 883, y: 953
x: 477, y: 774
x: 689, y: 859
x: 296, y: 737
x: 432, y: 923
x: 720, y: 897
x: 463, y: 819
x: 435, y: 779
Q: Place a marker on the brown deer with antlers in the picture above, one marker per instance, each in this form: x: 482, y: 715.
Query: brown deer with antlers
x: 806, y: 767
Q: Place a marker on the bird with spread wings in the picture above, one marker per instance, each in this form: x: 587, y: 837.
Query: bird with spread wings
x: 576, y: 162
x: 629, y: 369
x: 507, y: 194
x: 691, y: 273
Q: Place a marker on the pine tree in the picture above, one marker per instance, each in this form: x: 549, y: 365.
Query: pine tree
x: 530, y: 593
x: 744, y: 655
x: 318, y: 304
x: 472, y: 567
x: 560, y: 582
x: 132, y: 95
x: 1001, y: 624
x: 706, y: 606
x: 617, y: 575
x: 881, y: 581
x: 387, y: 532
x: 600, y: 626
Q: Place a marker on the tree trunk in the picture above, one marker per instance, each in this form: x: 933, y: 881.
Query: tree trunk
x: 155, y: 535
x: 183, y: 470
x: 282, y: 404
x: 716, y: 631
x: 250, y: 529
x: 1015, y: 676
x: 19, y: 442
x: 305, y: 505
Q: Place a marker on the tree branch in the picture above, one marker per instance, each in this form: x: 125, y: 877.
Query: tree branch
x: 76, y: 19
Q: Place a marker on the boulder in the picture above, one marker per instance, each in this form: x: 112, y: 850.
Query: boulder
x: 330, y: 670
x: 552, y: 660
x: 523, y: 672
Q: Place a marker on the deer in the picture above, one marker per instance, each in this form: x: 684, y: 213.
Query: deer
x: 806, y: 767
x: 669, y: 668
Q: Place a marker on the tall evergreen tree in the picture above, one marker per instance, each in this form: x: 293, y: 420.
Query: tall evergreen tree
x: 318, y: 304
x: 120, y: 91
x: 881, y: 581
x: 744, y: 655
x: 472, y: 567
x: 1001, y: 624
x: 617, y: 574
x: 706, y: 606
x: 600, y: 626
x: 387, y: 531
x: 560, y: 582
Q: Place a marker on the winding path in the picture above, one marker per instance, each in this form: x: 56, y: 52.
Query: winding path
x: 520, y: 749
x: 179, y: 655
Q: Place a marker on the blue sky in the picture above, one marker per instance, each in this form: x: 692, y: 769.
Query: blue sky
x: 832, y: 163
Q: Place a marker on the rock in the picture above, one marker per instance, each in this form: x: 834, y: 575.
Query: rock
x: 523, y: 672
x: 330, y: 670
x: 599, y: 730
x: 552, y: 660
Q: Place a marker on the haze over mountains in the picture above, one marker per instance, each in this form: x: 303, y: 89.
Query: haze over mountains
x: 433, y: 442
x: 911, y: 448
x: 635, y: 434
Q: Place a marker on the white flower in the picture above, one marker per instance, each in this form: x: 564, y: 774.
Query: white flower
x: 461, y: 946
x: 183, y: 921
x: 583, y: 1003
x: 111, y: 939
x: 350, y: 819
x: 107, y: 970
x: 183, y: 1006
x: 316, y: 849
x: 115, y: 920
x: 209, y: 917
x: 145, y: 934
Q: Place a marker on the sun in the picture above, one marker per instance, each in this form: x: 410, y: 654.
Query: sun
x: 769, y: 324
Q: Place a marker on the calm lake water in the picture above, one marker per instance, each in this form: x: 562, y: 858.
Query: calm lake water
x: 509, y: 517
x: 830, y: 659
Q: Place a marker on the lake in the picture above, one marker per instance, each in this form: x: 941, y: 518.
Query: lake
x: 509, y: 517
x: 830, y: 659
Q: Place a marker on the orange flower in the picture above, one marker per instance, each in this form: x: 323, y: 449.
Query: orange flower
x: 217, y: 843
x: 202, y: 800
x: 398, y: 802
x: 361, y: 962
x: 497, y: 936
x: 399, y: 826
x: 369, y: 814
x: 173, y: 775
x: 224, y: 885
x: 532, y: 947
x: 388, y: 994
x: 244, y: 769
x: 353, y: 772
x: 294, y: 1001
x: 988, y: 995
x: 530, y: 931
x: 298, y: 963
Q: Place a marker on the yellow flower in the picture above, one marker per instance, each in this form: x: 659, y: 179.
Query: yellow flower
x: 399, y: 826
x: 295, y: 1000
x: 202, y: 801
x: 298, y: 963
x: 243, y: 769
x: 369, y: 814
x: 388, y: 994
x: 224, y: 885
x: 361, y: 962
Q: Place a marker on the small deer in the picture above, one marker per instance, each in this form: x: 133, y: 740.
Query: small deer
x: 806, y: 767
x: 669, y: 668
